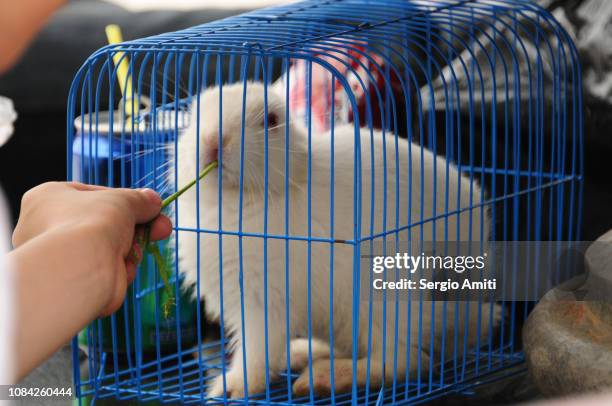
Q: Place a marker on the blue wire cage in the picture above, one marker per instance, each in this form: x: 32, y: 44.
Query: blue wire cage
x: 490, y: 89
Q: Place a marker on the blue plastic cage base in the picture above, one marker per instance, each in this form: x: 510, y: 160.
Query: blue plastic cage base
x: 170, y: 381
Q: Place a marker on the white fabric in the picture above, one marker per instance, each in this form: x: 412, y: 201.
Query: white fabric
x: 6, y: 361
x: 7, y: 117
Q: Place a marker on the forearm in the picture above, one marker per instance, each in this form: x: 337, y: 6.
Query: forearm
x: 19, y: 22
x: 72, y: 262
x: 57, y: 292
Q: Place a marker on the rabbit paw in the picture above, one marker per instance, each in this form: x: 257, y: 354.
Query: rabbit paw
x: 233, y: 385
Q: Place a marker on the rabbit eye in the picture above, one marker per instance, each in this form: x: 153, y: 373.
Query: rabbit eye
x: 272, y: 120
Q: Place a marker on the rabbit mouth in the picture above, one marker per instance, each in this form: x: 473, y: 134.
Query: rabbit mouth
x: 228, y: 175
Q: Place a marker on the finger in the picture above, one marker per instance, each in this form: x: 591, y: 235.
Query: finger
x: 130, y: 270
x: 85, y: 187
x: 118, y: 295
x: 133, y: 259
x: 145, y: 204
x: 161, y: 228
x: 135, y: 254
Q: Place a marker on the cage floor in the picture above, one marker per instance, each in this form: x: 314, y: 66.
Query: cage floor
x: 177, y: 378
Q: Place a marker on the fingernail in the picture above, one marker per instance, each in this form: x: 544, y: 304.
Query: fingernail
x: 152, y: 196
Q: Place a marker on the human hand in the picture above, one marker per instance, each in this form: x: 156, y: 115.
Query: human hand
x: 99, y: 220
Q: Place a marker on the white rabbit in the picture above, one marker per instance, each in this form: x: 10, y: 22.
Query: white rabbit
x: 415, y: 182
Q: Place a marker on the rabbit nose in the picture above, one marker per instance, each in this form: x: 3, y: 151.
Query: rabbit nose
x: 213, y: 153
x: 210, y: 149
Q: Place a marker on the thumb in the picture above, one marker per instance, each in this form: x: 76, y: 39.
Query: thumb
x: 145, y: 204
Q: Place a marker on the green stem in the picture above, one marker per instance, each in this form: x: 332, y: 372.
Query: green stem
x: 153, y: 249
x: 168, y: 200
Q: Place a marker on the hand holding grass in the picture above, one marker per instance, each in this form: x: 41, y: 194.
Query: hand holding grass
x: 71, y: 261
x: 102, y: 222
x: 74, y: 235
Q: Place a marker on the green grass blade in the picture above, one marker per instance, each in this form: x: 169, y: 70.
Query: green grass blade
x: 153, y: 249
x: 167, y: 201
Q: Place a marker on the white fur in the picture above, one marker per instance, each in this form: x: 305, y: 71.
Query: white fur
x: 207, y: 251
